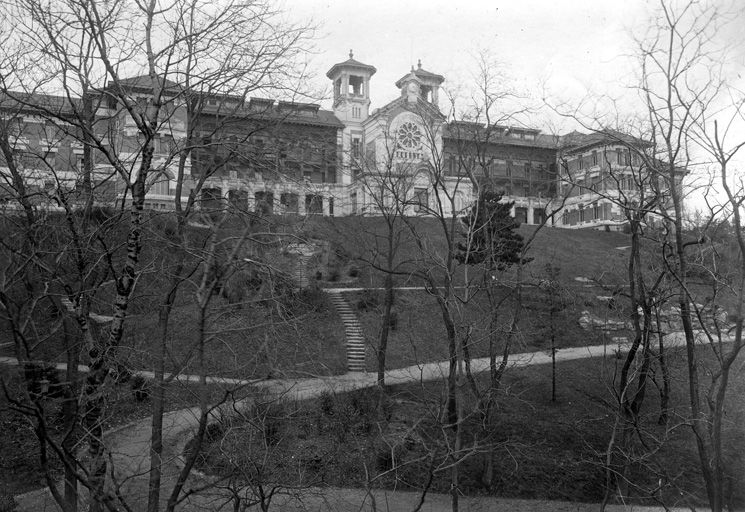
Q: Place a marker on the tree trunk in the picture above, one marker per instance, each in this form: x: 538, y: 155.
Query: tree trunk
x: 553, y: 367
x: 385, y: 329
x: 158, y: 394
x: 70, y: 416
x: 447, y: 318
x: 100, y: 357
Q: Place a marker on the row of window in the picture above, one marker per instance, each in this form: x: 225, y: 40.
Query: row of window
x: 498, y: 167
x: 594, y: 212
x: 599, y: 184
x: 623, y: 157
x: 264, y: 201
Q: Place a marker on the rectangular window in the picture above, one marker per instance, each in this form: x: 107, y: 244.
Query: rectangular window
x: 264, y: 202
x: 581, y: 163
x: 421, y: 199
x: 331, y: 174
x: 539, y: 215
x: 594, y: 158
x: 290, y: 202
x: 313, y: 204
x: 293, y: 170
x: 356, y: 148
x: 509, y: 167
x: 160, y: 186
x: 521, y: 215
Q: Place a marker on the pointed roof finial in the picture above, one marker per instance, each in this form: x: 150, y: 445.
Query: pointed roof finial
x: 419, y: 63
x: 412, y: 67
x: 351, y: 54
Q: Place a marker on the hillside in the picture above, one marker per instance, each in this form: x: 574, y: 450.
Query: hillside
x: 357, y: 240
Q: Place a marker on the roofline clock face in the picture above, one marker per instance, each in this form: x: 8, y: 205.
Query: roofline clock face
x: 408, y: 136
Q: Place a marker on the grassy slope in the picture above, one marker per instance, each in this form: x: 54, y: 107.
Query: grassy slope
x: 420, y: 332
x: 588, y: 253
x: 253, y: 341
x: 420, y: 336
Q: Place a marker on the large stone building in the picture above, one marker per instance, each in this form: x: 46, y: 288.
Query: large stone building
x: 285, y: 157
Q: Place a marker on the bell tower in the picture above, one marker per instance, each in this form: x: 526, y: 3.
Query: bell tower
x: 351, y: 82
x: 420, y: 85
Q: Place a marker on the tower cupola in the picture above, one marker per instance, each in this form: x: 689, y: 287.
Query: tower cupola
x: 420, y: 84
x: 351, y: 82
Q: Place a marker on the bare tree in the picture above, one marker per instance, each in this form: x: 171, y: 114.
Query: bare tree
x: 689, y: 97
x: 189, y: 55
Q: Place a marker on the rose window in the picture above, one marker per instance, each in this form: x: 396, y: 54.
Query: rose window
x: 409, y: 136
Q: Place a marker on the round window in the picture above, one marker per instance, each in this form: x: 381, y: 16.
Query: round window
x: 409, y: 136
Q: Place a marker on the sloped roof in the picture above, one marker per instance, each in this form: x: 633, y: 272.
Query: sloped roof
x: 575, y: 141
x: 309, y: 114
x: 24, y: 101
x: 350, y: 63
x: 422, y: 75
x: 423, y: 107
x: 144, y: 82
x: 497, y: 134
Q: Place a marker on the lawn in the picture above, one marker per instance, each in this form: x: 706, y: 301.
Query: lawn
x: 301, y: 336
x: 420, y: 334
x: 355, y: 240
x: 540, y: 449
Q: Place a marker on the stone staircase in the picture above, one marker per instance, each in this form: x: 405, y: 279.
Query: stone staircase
x: 353, y: 331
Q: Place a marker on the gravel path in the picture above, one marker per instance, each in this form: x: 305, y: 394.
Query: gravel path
x: 129, y: 447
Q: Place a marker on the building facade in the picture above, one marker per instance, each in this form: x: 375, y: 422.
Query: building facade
x: 279, y: 157
x: 604, y: 176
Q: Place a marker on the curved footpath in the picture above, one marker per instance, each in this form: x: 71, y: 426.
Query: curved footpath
x: 129, y: 446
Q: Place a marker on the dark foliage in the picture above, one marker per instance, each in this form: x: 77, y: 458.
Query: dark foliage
x: 140, y: 388
x: 369, y: 300
x: 43, y: 380
x: 491, y: 229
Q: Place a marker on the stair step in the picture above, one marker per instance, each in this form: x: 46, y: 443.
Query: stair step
x: 356, y: 345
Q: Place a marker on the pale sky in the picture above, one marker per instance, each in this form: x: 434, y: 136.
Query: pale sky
x: 572, y: 46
